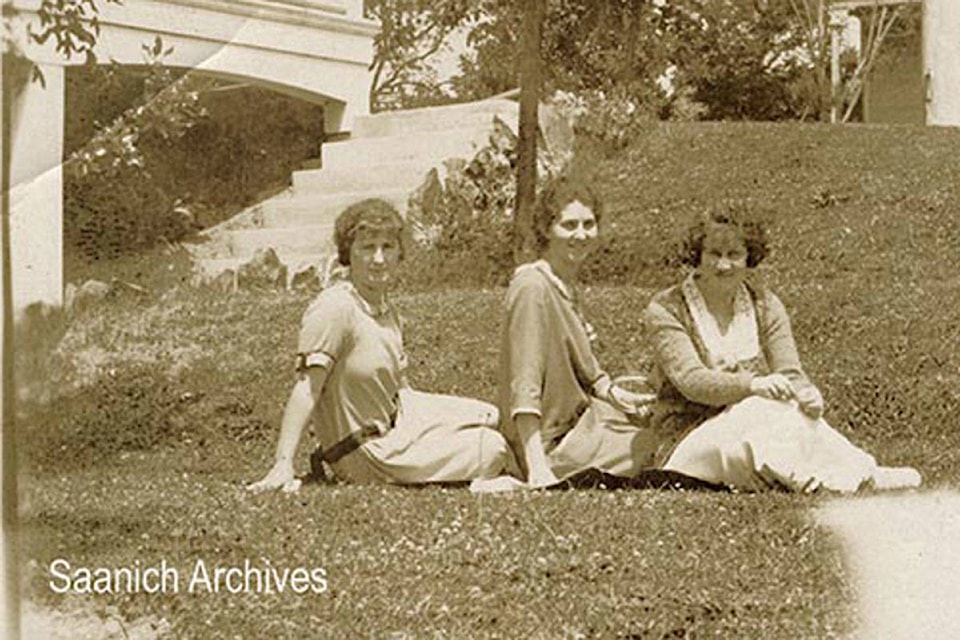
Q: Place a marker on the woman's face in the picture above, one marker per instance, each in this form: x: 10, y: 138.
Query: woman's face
x: 375, y: 259
x: 723, y: 263
x: 573, y: 235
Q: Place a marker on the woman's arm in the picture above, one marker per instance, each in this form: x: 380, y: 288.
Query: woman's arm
x: 781, y: 352
x: 525, y: 345
x: 303, y: 398
x: 778, y: 343
x: 535, y: 458
x: 677, y: 356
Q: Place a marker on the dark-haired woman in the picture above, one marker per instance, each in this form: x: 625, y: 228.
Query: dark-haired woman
x: 351, y: 383
x: 734, y: 405
x: 560, y: 410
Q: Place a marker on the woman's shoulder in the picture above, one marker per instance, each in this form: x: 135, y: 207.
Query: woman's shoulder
x: 529, y: 272
x: 764, y: 297
x: 669, y: 299
x: 528, y: 277
x: 335, y: 300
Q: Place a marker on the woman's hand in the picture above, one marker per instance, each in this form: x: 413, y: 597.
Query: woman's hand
x: 775, y: 386
x: 811, y: 402
x: 540, y: 478
x: 630, y: 402
x: 538, y: 467
x: 280, y: 476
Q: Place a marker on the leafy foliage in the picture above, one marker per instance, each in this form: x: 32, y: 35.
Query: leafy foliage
x: 682, y: 59
x: 411, y: 33
x: 466, y: 221
x: 585, y: 46
x: 169, y: 106
x: 73, y: 24
x: 612, y: 120
x: 742, y: 63
x: 132, y: 213
x: 181, y: 152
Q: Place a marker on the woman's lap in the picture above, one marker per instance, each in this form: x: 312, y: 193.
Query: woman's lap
x: 757, y: 444
x: 437, y: 438
x: 605, y: 439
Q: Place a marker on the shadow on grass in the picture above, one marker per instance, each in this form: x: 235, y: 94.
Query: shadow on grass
x: 596, y: 479
x: 648, y: 479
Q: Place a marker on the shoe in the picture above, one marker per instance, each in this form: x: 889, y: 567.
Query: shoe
x: 886, y: 478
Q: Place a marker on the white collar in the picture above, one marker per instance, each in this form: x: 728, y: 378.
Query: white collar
x: 569, y: 292
x: 741, y: 341
x: 374, y: 310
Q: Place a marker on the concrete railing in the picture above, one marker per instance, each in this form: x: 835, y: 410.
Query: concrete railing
x: 349, y: 8
x: 344, y: 9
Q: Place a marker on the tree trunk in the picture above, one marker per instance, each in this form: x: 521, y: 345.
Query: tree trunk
x: 533, y: 13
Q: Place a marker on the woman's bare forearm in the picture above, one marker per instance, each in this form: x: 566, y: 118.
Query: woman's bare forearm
x: 303, y: 398
x: 538, y: 468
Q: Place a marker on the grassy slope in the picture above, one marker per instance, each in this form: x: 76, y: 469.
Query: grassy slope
x: 175, y: 405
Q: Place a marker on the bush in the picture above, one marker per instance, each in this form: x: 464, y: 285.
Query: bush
x: 464, y: 223
x: 613, y: 119
x: 197, y: 153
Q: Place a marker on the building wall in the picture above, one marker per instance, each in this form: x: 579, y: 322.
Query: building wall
x: 941, y: 24
x: 894, y: 91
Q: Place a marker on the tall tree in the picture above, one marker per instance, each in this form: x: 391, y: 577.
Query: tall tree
x: 530, y: 83
x: 739, y: 58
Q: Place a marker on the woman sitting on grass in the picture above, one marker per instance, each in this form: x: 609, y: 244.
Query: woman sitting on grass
x: 561, y: 412
x: 734, y: 406
x: 371, y: 426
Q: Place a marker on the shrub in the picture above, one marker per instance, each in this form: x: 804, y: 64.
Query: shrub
x: 614, y: 119
x: 464, y: 223
x: 178, y: 153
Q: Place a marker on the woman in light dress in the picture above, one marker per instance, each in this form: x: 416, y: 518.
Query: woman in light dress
x: 561, y: 412
x: 734, y: 405
x: 371, y: 427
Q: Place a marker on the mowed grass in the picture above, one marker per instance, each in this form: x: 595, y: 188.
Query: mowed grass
x: 163, y: 409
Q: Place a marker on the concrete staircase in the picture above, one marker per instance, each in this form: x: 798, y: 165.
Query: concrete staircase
x: 386, y: 156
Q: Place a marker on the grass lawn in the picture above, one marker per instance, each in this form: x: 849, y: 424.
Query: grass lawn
x: 147, y: 418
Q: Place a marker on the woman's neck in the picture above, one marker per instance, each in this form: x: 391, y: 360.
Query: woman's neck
x: 719, y: 302
x: 374, y: 296
x: 568, y: 272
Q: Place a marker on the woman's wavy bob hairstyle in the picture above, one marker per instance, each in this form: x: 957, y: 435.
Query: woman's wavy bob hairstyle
x: 372, y: 214
x: 737, y: 216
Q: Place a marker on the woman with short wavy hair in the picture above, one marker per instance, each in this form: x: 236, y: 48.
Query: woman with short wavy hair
x: 351, y: 383
x: 734, y: 405
x: 560, y: 410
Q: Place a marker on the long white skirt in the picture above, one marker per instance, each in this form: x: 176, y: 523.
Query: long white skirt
x: 437, y: 438
x: 759, y: 444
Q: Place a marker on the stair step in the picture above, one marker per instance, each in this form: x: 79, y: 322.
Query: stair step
x: 431, y: 148
x: 408, y: 175
x: 314, y: 210
x: 436, y: 118
x: 314, y: 239
x: 388, y: 156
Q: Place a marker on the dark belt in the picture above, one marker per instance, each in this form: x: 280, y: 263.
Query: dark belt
x: 349, y: 444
